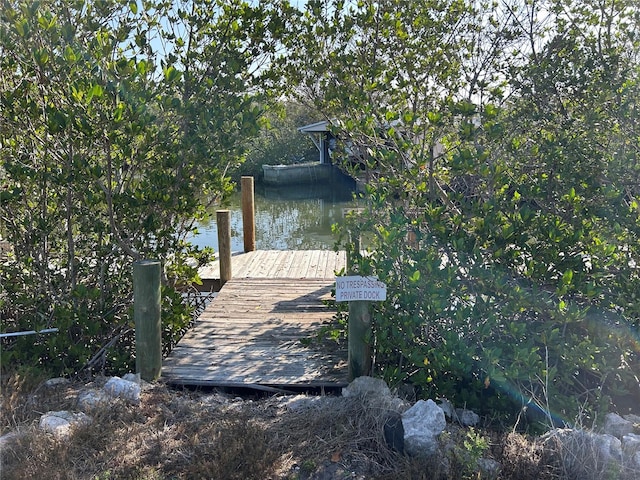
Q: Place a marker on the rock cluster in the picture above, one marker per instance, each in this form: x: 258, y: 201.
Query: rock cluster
x: 61, y: 423
x: 614, y: 451
x: 412, y: 428
x: 416, y: 429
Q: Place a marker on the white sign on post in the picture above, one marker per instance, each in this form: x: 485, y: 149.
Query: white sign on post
x: 357, y: 288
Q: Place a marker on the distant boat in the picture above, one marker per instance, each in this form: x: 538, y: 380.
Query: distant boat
x: 300, y: 173
x: 308, y: 172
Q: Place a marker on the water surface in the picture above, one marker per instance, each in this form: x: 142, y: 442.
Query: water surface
x: 287, y: 218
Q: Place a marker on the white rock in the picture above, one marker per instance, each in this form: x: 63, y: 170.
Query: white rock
x: 467, y: 418
x: 90, y: 399
x: 617, y: 426
x: 8, y: 438
x: 54, y: 382
x: 132, y: 377
x: 631, y: 444
x: 447, y: 407
x: 118, y: 388
x: 583, y: 451
x: 364, y: 386
x: 632, y: 418
x: 298, y: 403
x: 489, y: 467
x: 609, y: 446
x: 422, y: 424
x: 60, y: 423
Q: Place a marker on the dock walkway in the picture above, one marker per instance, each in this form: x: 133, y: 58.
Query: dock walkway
x: 250, y: 335
x: 279, y: 264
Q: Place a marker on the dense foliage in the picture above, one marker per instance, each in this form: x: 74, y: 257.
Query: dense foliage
x: 279, y: 142
x: 500, y: 142
x: 502, y: 157
x: 119, y: 122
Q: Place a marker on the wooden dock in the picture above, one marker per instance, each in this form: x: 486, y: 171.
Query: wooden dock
x: 276, y: 264
x: 250, y: 335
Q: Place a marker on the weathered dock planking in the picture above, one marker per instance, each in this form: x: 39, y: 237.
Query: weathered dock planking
x: 276, y: 264
x: 250, y: 335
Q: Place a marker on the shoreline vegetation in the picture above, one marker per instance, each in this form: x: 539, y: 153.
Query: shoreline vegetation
x: 186, y: 434
x: 501, y: 147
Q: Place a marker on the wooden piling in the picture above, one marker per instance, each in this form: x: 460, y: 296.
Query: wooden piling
x: 359, y: 327
x: 359, y: 339
x: 223, y: 219
x: 146, y: 314
x: 248, y: 214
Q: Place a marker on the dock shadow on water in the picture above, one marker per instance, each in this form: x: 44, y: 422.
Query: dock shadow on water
x: 295, y: 217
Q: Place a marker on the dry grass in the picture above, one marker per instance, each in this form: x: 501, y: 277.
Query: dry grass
x: 199, y: 435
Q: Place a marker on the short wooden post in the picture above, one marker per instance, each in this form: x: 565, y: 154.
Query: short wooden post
x: 248, y: 214
x: 146, y: 315
x: 223, y: 219
x: 359, y: 328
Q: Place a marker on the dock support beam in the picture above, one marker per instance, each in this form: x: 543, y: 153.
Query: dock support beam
x: 146, y: 315
x: 223, y: 220
x: 248, y: 214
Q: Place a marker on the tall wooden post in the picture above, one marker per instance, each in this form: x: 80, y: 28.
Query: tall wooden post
x: 223, y: 220
x: 248, y: 214
x: 359, y: 329
x: 146, y: 315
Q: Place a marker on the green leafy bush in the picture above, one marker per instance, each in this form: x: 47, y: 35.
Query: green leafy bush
x: 112, y: 149
x: 500, y: 156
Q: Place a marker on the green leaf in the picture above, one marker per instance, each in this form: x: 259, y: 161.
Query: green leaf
x: 434, y: 117
x: 69, y: 55
x: 171, y: 75
x: 118, y: 113
x: 41, y: 57
x: 133, y: 6
x: 22, y: 27
x: 142, y: 67
x: 96, y: 91
x: 491, y: 111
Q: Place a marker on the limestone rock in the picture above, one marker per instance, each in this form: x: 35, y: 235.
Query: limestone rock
x: 617, y: 426
x: 90, y: 399
x: 610, y: 447
x: 365, y: 386
x: 422, y: 424
x: 467, y: 418
x: 632, y: 418
x: 118, y: 388
x: 56, y: 382
x: 132, y: 377
x: 300, y: 403
x: 489, y: 468
x: 631, y: 448
x: 581, y: 453
x: 8, y: 439
x: 61, y: 423
x: 447, y: 407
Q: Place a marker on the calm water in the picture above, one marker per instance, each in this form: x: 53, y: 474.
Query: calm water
x: 287, y: 218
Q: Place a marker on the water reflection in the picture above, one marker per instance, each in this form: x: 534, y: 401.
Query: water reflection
x: 287, y: 218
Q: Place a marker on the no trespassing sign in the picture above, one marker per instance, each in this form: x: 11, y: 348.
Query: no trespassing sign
x: 356, y: 288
